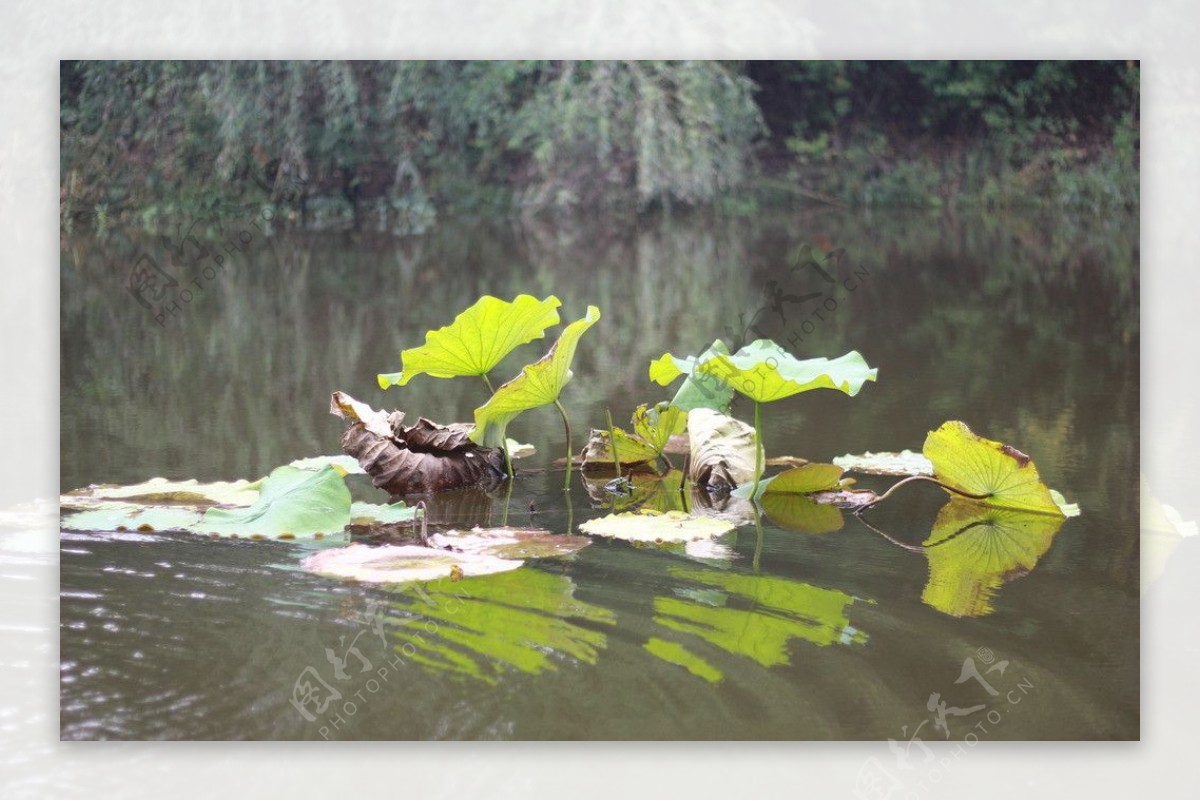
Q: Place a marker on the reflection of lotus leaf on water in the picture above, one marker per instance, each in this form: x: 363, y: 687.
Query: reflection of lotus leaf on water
x: 973, y: 550
x: 482, y: 628
x: 752, y: 616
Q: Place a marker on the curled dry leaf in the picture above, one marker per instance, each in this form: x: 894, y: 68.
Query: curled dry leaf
x: 723, y: 450
x: 425, y: 457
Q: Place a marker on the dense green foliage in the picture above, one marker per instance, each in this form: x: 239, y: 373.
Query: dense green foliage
x: 391, y: 144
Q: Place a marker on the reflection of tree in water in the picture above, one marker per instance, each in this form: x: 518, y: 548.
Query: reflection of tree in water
x: 974, y: 550
x: 482, y: 628
x: 753, y: 616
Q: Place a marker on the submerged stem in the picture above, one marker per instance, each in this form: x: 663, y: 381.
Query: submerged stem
x: 567, y: 426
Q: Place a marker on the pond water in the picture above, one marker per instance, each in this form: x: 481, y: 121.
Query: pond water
x: 1025, y: 327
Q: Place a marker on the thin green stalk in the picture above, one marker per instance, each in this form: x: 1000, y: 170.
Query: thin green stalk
x: 507, y: 498
x: 567, y: 426
x: 758, y: 450
x: 504, y: 448
x: 612, y: 442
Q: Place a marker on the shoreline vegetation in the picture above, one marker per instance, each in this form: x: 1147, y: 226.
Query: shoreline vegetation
x: 397, y: 146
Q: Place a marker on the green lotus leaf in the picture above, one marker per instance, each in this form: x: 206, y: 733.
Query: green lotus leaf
x: 699, y: 390
x: 399, y: 512
x: 631, y: 450
x: 885, y: 463
x: 348, y: 465
x: 765, y: 372
x: 133, y: 517
x: 979, y: 466
x: 656, y: 527
x: 190, y: 493
x: 299, y: 503
x: 811, y: 477
x: 973, y: 550
x: 397, y: 564
x: 538, y: 384
x: 657, y: 424
x: 477, y: 340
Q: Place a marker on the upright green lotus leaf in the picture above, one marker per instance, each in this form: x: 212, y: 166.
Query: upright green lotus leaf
x: 979, y: 466
x: 802, y: 480
x: 658, y: 423
x: 765, y: 372
x: 973, y: 550
x: 299, y: 503
x: 538, y: 384
x: 699, y: 390
x: 477, y: 339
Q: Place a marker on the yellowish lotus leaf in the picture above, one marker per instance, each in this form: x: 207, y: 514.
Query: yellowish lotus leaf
x: 538, y: 384
x: 978, y: 466
x: 478, y: 339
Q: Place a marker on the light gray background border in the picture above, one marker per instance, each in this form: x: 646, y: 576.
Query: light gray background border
x: 33, y: 36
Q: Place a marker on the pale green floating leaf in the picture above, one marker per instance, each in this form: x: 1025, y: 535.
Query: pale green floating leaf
x: 510, y: 543
x: 478, y: 339
x: 981, y: 466
x: 362, y: 514
x: 190, y: 494
x: 293, y: 503
x: 1068, y: 509
x: 133, y: 517
x: 884, y: 463
x: 656, y: 527
x: 397, y: 564
x: 346, y: 465
x: 699, y: 390
x: 538, y: 384
x: 765, y: 372
x: 519, y: 450
x: 808, y: 478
